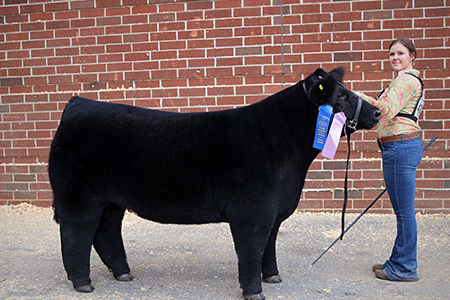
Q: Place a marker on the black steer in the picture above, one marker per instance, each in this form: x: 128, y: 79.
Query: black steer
x: 244, y: 166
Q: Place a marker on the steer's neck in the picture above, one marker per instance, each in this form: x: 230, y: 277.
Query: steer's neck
x: 295, y: 121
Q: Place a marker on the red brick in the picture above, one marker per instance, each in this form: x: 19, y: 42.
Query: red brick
x: 254, y: 40
x: 230, y: 81
x: 123, y: 48
x: 171, y: 7
x: 215, y: 91
x: 112, y: 95
x: 9, y: 10
x: 262, y: 21
x: 174, y: 102
x: 228, y: 23
x: 137, y: 94
x: 141, y: 75
x: 437, y: 12
x: 247, y: 12
x: 92, y: 13
x: 163, y: 17
x: 57, y: 6
x: 257, y: 2
x: 204, y: 62
x: 57, y: 24
x: 336, y: 7
x: 204, y: 43
x: 144, y: 28
x: 429, y: 3
x: 119, y: 11
x: 366, y: 5
x: 135, y: 19
x: 200, y: 24
x: 317, y: 194
x: 108, y: 3
x: 204, y: 101
x: 117, y: 30
x: 218, y: 14
x: 437, y: 32
x: 190, y: 92
x: 248, y: 70
x: 33, y: 8
x: 165, y: 93
x: 227, y: 3
x: 83, y: 4
x: 318, y: 18
x: 70, y: 32
x: 310, y: 204
x: 36, y: 98
x: 199, y: 5
x: 230, y: 100
x: 248, y: 89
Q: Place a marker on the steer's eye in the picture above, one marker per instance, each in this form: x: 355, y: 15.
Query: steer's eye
x: 342, y: 97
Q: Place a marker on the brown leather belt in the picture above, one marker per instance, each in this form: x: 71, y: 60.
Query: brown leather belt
x: 400, y: 137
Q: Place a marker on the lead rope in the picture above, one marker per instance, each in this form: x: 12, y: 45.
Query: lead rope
x: 344, y: 207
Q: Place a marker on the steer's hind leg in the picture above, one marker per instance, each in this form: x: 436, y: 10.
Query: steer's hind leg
x: 109, y: 244
x: 76, y: 241
x: 250, y: 231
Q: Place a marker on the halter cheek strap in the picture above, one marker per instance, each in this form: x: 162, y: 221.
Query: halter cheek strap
x: 353, y: 122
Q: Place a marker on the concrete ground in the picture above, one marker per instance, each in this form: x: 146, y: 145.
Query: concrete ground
x: 198, y: 261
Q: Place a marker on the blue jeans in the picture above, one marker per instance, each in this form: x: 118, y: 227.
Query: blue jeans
x: 400, y: 162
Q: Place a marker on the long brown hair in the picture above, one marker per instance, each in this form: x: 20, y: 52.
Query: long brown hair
x: 407, y: 43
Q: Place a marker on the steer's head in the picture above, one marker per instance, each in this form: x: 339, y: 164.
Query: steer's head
x: 327, y: 88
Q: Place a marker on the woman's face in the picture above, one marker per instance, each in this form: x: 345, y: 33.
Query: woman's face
x: 400, y: 58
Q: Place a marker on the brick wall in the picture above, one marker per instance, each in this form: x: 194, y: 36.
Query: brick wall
x: 190, y: 56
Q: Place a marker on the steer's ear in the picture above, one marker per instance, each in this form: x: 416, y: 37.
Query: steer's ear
x: 338, y: 73
x: 322, y: 91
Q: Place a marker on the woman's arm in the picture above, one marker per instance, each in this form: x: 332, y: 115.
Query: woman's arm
x: 367, y: 98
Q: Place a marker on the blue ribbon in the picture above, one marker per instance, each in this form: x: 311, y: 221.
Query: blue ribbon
x: 323, y: 120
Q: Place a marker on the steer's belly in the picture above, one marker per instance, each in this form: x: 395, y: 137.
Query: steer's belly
x: 179, y: 213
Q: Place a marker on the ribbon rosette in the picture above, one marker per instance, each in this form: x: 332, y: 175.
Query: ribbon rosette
x: 334, y: 135
x: 323, y: 120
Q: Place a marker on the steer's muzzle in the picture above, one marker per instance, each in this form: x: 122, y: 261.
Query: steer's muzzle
x: 376, y: 116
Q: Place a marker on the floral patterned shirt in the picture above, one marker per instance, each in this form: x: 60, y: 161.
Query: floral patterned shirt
x: 401, y: 95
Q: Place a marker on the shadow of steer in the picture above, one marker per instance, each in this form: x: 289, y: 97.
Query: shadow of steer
x: 244, y: 166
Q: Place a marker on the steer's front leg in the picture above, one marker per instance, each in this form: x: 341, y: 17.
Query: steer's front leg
x: 250, y: 233
x: 269, y: 264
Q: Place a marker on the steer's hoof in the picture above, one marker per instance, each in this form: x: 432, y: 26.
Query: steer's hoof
x: 88, y: 288
x: 125, y: 277
x: 259, y: 296
x: 273, y: 279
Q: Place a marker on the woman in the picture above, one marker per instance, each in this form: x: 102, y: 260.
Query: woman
x: 399, y: 139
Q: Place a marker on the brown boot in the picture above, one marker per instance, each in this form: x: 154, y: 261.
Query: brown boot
x: 377, y: 267
x: 380, y: 274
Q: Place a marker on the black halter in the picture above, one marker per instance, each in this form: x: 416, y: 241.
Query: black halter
x: 352, y: 123
x: 349, y: 123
